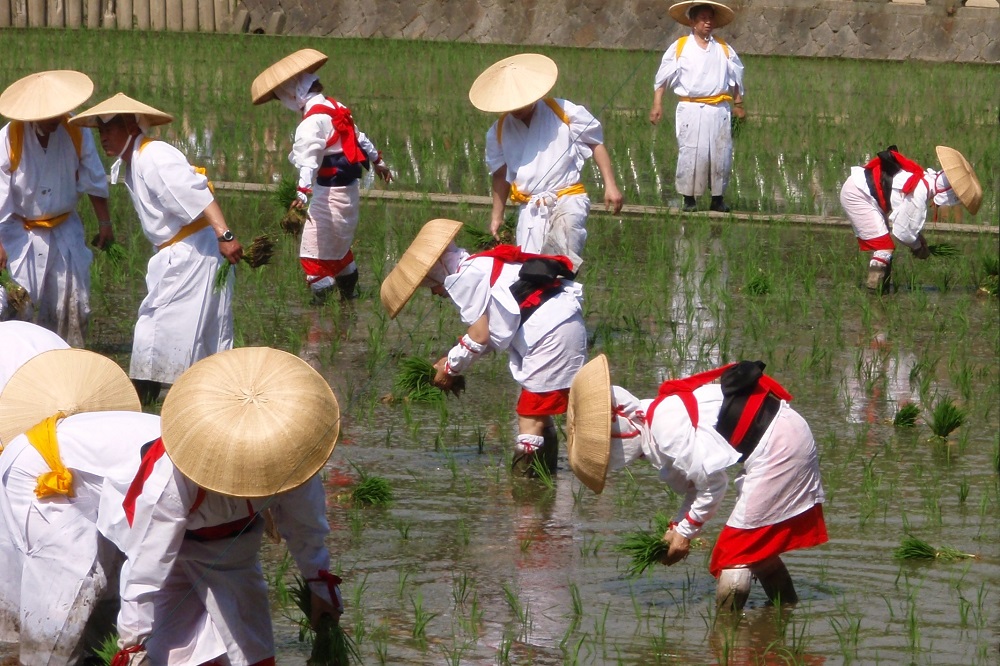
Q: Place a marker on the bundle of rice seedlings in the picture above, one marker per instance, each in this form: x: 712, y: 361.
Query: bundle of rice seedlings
x: 259, y: 252
x: 913, y: 548
x: 645, y: 548
x: 108, y: 649
x: 284, y: 196
x: 736, y: 125
x: 482, y: 239
x: 990, y: 283
x: 114, y: 250
x: 17, y: 296
x: 371, y: 490
x: 946, y: 417
x: 906, y: 417
x: 413, y: 381
x: 292, y: 221
x: 942, y: 250
x: 759, y: 284
x: 331, y: 645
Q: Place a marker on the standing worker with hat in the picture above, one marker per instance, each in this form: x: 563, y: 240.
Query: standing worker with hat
x: 706, y: 75
x: 46, y: 165
x: 329, y: 153
x: 243, y: 431
x: 536, y: 151
x: 510, y: 300
x: 691, y: 432
x: 82, y: 434
x: 184, y: 316
x: 886, y: 201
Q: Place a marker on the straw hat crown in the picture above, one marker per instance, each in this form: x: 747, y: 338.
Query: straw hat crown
x: 71, y: 381
x: 723, y: 15
x: 306, y: 60
x: 425, y: 250
x: 962, y: 178
x: 250, y: 422
x: 514, y: 83
x: 588, y: 439
x: 45, y: 95
x: 121, y: 104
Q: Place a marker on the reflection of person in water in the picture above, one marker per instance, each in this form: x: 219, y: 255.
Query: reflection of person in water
x: 878, y: 376
x: 691, y: 432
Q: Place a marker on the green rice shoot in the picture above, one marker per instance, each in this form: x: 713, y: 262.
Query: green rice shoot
x: 481, y: 239
x: 913, y: 548
x: 113, y: 250
x: 907, y: 415
x: 108, y: 649
x: 759, y: 284
x: 222, y: 275
x: 372, y: 491
x: 414, y: 382
x: 942, y: 250
x: 990, y: 282
x: 946, y: 417
x: 285, y: 193
x: 645, y: 548
x: 260, y: 251
x: 331, y: 645
x: 17, y: 296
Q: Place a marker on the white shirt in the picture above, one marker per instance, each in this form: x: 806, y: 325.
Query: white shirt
x: 700, y: 72
x: 909, y: 211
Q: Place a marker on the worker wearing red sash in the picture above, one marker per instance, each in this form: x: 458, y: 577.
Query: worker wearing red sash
x: 692, y: 431
x: 886, y: 202
x: 511, y: 301
x: 328, y: 153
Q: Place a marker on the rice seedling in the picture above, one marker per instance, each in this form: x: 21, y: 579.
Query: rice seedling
x: 946, y: 417
x: 906, y: 416
x: 645, y: 548
x: 107, y: 650
x: 421, y: 618
x: 331, y: 645
x: 413, y: 382
x: 942, y: 250
x: 912, y: 548
x: 481, y: 239
x: 17, y: 296
x: 260, y: 251
x: 113, y: 250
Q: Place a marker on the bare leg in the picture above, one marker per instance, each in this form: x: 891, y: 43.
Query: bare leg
x: 776, y: 581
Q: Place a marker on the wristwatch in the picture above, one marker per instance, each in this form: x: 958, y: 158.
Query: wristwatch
x: 227, y: 236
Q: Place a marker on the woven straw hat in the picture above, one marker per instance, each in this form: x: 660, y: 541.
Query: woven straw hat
x: 962, y: 178
x: 588, y: 439
x: 306, y: 60
x: 399, y: 286
x: 45, y: 95
x: 250, y: 422
x: 71, y: 381
x: 514, y: 83
x: 723, y: 15
x: 119, y: 104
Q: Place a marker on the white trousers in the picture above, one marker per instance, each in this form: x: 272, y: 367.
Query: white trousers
x: 704, y: 148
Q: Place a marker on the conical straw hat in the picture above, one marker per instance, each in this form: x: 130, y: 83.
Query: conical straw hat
x: 250, y: 422
x: 962, y: 178
x: 723, y: 14
x: 45, y: 95
x: 588, y: 421
x: 71, y: 381
x: 399, y: 286
x: 119, y: 104
x: 306, y: 60
x: 514, y: 83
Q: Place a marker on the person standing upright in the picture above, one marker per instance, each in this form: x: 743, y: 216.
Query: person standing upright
x: 46, y: 165
x: 185, y: 316
x: 329, y: 154
x: 706, y: 75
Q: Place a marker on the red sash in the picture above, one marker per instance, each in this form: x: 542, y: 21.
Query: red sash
x: 343, y: 129
x: 875, y: 166
x: 512, y: 254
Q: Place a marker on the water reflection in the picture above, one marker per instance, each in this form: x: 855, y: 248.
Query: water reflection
x: 877, y: 381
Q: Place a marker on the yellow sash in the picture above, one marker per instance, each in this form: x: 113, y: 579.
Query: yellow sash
x: 552, y: 104
x: 46, y: 222
x: 519, y: 197
x: 15, y: 140
x: 683, y: 40
x: 185, y: 231
x: 714, y: 99
x: 58, y: 481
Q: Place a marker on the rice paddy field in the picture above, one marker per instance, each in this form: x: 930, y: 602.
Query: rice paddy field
x: 466, y: 565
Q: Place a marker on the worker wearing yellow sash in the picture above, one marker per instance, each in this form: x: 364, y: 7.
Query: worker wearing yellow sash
x: 185, y: 316
x: 46, y: 165
x: 707, y: 76
x: 536, y: 151
x: 71, y: 422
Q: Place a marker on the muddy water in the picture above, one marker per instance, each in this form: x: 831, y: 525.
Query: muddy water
x: 470, y: 566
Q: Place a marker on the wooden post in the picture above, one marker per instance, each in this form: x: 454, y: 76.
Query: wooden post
x: 93, y: 13
x: 189, y: 15
x: 108, y: 20
x: 175, y: 15
x: 74, y: 13
x: 55, y: 14
x: 206, y: 16
x: 5, y: 12
x: 158, y: 15
x: 36, y: 13
x: 223, y: 15
x: 124, y: 14
x: 19, y: 14
x: 140, y: 9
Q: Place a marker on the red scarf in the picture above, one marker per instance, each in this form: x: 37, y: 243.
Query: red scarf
x: 915, y: 170
x: 512, y: 254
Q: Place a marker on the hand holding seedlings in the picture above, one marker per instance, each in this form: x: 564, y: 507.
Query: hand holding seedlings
x: 441, y: 377
x: 678, y: 548
x: 320, y: 607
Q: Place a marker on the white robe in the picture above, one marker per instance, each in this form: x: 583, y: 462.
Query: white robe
x: 194, y: 601
x: 704, y: 136
x: 55, y: 565
x: 53, y: 265
x: 183, y: 317
x: 542, y: 158
x: 549, y: 349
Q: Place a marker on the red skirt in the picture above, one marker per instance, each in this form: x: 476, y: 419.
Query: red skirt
x: 317, y: 269
x: 546, y: 403
x: 883, y: 242
x: 737, y: 547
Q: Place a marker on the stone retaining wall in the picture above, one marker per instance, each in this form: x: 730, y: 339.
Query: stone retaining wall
x: 946, y: 30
